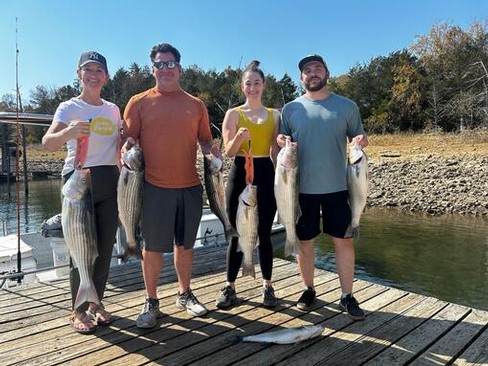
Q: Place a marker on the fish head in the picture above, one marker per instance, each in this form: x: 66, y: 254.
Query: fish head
x: 77, y: 184
x: 133, y: 158
x: 212, y: 163
x: 249, y: 195
x: 315, y: 330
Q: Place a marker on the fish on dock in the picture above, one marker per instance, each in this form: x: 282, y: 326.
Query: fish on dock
x: 247, y: 221
x: 78, y: 221
x: 284, y: 336
x: 215, y: 187
x: 129, y: 199
x: 357, y: 184
x: 286, y: 192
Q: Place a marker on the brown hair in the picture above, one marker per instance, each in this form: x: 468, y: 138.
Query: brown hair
x: 254, y: 67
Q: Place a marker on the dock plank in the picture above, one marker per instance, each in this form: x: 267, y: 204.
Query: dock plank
x: 400, y: 327
x: 476, y: 353
x: 447, y: 349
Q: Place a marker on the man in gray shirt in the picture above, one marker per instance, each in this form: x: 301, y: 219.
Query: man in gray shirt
x: 322, y: 122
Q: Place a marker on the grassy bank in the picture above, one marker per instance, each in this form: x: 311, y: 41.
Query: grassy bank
x: 416, y: 145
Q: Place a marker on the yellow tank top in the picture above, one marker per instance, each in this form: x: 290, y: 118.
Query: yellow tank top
x: 261, y: 134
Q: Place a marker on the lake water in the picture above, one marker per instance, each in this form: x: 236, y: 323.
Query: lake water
x: 445, y: 257
x: 42, y: 202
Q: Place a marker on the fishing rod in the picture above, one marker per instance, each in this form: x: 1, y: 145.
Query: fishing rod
x: 19, y: 253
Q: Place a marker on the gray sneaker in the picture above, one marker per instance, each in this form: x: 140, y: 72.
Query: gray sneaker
x: 227, y: 298
x: 190, y: 303
x: 148, y: 318
x: 269, y: 298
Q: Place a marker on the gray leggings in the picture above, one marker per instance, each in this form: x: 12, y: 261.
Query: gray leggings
x: 104, y: 194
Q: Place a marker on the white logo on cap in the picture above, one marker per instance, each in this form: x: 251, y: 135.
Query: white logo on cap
x: 94, y: 56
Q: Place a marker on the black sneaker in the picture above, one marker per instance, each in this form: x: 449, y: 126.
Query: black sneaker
x: 269, y: 298
x: 227, y: 297
x: 351, y: 305
x: 305, y: 301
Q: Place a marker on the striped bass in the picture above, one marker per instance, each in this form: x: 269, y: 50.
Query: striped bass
x: 286, y: 193
x: 247, y: 226
x: 80, y: 234
x: 215, y: 187
x: 129, y: 199
x: 285, y: 336
x: 357, y: 184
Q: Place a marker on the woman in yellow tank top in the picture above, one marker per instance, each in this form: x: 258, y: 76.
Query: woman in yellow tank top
x: 251, y: 125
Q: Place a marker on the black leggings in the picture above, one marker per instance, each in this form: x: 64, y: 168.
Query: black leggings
x: 104, y: 194
x: 236, y: 182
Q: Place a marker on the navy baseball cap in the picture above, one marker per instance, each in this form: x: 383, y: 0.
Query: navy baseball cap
x: 309, y: 58
x: 92, y: 56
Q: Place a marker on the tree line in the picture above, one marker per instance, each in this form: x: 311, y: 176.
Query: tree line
x: 440, y: 82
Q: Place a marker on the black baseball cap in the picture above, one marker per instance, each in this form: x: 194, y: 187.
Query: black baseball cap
x: 309, y: 58
x: 92, y: 56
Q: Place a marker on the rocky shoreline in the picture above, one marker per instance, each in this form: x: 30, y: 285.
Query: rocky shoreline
x: 432, y: 184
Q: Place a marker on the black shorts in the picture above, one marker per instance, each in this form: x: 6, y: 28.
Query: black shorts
x: 336, y: 214
x: 170, y: 216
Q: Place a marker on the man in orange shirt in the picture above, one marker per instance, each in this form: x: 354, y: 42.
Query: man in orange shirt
x: 168, y: 123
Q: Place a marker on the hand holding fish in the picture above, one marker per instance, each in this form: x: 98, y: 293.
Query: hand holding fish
x: 129, y: 142
x: 215, y: 151
x: 77, y: 129
x: 281, y: 140
x: 243, y: 134
x: 361, y: 140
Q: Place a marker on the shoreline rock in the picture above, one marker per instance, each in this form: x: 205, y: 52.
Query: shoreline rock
x: 432, y: 184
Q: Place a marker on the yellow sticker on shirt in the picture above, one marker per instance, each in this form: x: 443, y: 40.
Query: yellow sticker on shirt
x: 102, y: 126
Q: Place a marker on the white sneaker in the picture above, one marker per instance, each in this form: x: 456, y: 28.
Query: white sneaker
x: 190, y: 303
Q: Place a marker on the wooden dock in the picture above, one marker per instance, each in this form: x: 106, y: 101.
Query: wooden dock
x: 400, y: 328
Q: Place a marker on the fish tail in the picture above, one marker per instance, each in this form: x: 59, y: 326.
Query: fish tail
x: 292, y: 246
x: 132, y: 251
x: 288, y: 248
x: 235, y: 339
x: 352, y: 232
x: 248, y: 270
x: 355, y: 233
x: 86, y: 292
x: 230, y: 233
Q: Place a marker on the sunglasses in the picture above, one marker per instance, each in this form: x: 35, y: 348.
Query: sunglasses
x: 169, y: 64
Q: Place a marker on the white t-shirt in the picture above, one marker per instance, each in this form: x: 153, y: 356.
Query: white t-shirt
x: 105, y: 127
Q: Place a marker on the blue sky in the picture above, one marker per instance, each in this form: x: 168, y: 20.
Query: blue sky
x: 213, y: 34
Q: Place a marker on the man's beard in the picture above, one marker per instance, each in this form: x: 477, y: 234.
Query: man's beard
x: 317, y: 86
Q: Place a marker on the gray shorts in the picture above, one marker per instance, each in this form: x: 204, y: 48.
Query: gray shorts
x: 170, y: 216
